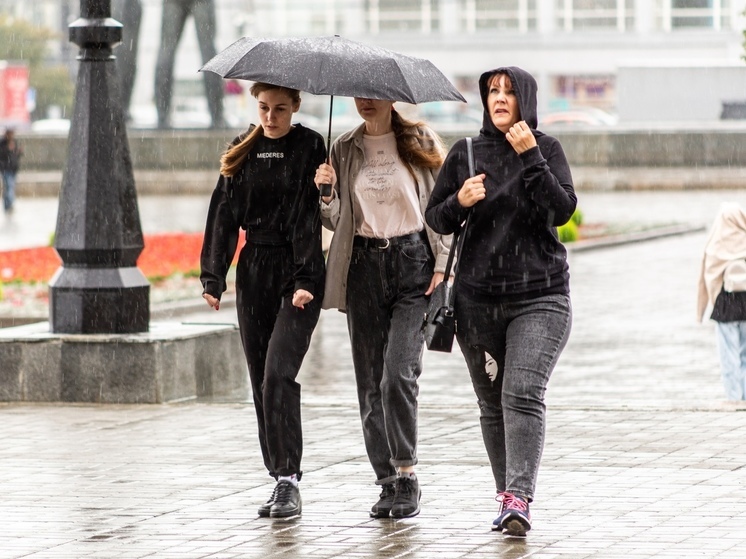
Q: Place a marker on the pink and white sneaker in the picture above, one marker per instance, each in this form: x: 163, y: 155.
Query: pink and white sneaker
x: 514, y: 519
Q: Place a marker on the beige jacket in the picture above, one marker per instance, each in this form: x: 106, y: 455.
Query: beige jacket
x: 347, y: 159
x: 726, y: 243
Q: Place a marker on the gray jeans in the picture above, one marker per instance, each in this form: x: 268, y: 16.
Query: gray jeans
x: 524, y: 340
x: 385, y: 305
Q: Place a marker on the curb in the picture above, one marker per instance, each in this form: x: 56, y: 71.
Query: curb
x: 627, y: 238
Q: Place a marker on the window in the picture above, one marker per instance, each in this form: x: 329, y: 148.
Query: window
x: 499, y: 15
x: 595, y: 14
x: 695, y: 14
x: 420, y: 16
x: 569, y: 92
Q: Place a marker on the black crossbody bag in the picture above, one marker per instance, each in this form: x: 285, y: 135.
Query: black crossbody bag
x: 439, y: 324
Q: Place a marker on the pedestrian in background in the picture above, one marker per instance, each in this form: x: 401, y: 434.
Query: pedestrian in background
x: 266, y: 188
x: 722, y: 285
x: 512, y: 303
x: 383, y: 263
x: 10, y: 157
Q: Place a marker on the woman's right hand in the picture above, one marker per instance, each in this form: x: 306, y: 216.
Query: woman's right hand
x: 325, y: 175
x: 214, y: 302
x: 472, y: 191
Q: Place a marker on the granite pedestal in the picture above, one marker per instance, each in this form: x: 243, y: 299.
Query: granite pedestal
x: 174, y: 361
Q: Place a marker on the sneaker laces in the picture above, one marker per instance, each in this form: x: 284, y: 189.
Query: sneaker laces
x: 404, y: 486
x: 388, y: 490
x: 283, y: 492
x: 273, y: 497
x: 510, y: 501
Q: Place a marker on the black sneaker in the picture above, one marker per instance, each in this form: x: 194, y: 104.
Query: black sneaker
x: 382, y: 508
x: 407, y: 499
x: 266, y: 507
x: 287, y: 501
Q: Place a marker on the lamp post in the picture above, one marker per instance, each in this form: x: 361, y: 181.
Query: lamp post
x: 98, y: 289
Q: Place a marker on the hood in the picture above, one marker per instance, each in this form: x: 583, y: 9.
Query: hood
x: 525, y: 88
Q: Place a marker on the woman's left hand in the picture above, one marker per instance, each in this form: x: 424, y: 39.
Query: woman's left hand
x: 301, y: 297
x: 521, y: 137
x: 437, y: 278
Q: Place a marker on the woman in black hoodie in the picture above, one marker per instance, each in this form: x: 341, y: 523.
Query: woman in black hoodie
x: 512, y: 291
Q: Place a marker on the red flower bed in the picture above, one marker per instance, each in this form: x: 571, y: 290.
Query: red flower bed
x: 164, y: 254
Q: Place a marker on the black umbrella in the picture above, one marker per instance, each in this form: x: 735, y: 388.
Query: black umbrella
x: 334, y: 66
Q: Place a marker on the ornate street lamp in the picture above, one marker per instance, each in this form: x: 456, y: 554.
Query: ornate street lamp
x: 98, y: 289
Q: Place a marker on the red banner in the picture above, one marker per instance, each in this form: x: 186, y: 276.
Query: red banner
x: 13, y: 94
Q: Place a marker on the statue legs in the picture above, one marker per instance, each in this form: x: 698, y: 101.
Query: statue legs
x: 204, y: 19
x: 129, y: 14
x: 175, y: 14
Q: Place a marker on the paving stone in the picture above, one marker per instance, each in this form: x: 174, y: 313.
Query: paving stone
x: 643, y: 459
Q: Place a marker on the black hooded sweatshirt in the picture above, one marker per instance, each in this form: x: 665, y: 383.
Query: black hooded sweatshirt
x: 511, y: 249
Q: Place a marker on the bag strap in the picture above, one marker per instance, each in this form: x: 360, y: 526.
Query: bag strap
x: 460, y: 234
x: 457, y: 235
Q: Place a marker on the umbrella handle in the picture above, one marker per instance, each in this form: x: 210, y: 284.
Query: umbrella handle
x: 325, y: 190
x: 329, y: 135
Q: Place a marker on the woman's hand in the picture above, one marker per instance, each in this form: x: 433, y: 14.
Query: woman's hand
x: 437, y: 278
x: 214, y: 302
x: 472, y: 191
x: 325, y: 174
x: 521, y: 137
x: 301, y: 297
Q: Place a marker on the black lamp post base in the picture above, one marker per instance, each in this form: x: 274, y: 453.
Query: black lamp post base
x: 99, y: 301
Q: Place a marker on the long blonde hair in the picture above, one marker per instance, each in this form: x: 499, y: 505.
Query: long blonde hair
x: 410, y: 148
x: 233, y: 159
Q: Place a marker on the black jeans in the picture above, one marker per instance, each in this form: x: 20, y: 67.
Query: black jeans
x: 275, y: 337
x: 385, y: 305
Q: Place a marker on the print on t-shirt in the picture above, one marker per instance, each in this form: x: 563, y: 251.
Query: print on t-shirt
x: 380, y: 176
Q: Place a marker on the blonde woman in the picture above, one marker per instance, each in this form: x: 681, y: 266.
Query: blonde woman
x: 266, y: 188
x: 383, y: 264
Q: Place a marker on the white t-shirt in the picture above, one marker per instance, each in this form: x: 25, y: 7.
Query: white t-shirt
x: 385, y: 192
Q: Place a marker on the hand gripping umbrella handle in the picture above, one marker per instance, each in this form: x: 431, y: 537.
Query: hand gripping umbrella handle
x: 325, y: 190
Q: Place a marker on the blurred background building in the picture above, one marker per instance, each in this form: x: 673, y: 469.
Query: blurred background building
x: 595, y: 60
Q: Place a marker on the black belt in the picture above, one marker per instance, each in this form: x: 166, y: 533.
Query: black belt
x: 268, y: 238
x: 383, y: 244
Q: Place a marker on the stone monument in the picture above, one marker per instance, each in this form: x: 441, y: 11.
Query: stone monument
x: 99, y: 344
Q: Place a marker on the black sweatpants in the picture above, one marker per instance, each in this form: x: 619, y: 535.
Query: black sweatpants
x: 275, y: 337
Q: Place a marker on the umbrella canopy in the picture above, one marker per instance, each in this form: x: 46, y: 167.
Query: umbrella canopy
x: 334, y: 66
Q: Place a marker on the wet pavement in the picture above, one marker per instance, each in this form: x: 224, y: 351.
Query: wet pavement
x: 643, y: 457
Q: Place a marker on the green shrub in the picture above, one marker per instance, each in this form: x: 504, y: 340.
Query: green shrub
x: 577, y: 217
x: 568, y: 232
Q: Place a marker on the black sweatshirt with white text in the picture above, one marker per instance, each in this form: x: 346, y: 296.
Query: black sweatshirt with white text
x: 274, y: 199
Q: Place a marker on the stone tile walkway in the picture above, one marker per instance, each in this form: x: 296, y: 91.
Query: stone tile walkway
x: 643, y: 458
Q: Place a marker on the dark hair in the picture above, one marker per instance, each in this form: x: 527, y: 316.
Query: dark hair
x: 233, y: 159
x: 409, y: 144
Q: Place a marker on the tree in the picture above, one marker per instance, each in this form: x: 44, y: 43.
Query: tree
x: 20, y: 41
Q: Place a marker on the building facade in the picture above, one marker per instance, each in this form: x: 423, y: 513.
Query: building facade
x: 577, y: 49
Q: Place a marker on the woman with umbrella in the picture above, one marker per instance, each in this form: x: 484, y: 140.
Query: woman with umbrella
x: 383, y: 263
x: 512, y: 290
x: 266, y: 188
